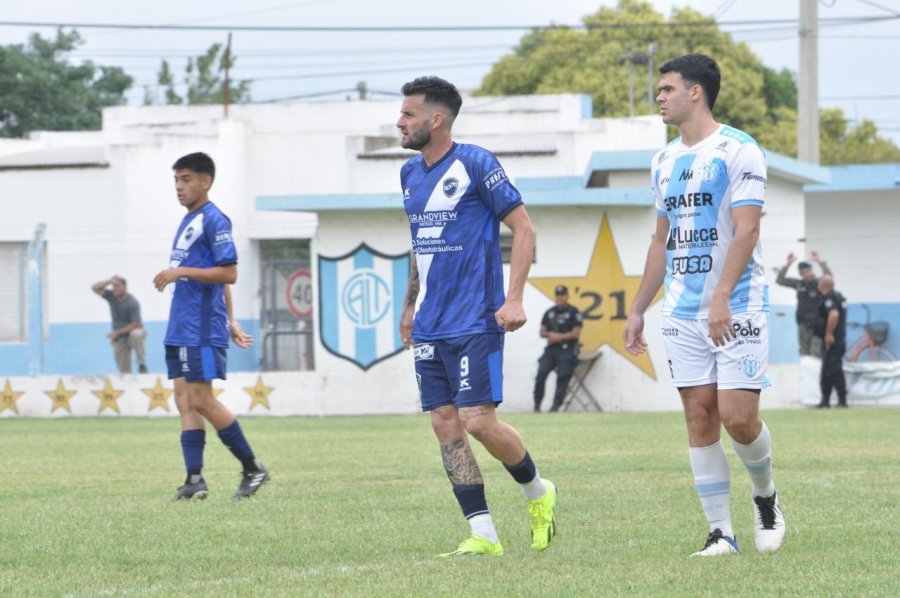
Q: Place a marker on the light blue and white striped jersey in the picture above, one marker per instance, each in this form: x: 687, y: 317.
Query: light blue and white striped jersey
x: 455, y: 207
x: 696, y: 188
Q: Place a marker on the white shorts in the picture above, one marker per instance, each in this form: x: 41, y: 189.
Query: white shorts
x: 694, y: 360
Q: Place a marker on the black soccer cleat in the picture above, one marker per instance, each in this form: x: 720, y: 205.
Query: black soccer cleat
x: 251, y: 482
x: 195, y: 491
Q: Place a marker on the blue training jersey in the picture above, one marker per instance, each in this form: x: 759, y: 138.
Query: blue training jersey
x: 696, y: 188
x: 197, y: 316
x: 455, y: 207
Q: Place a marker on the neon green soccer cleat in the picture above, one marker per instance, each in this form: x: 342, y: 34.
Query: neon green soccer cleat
x: 543, y: 518
x: 474, y: 546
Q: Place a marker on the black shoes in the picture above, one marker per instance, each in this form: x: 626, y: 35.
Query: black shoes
x: 192, y: 491
x: 251, y: 482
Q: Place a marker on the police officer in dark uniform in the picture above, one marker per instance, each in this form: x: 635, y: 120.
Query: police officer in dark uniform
x: 561, y: 326
x: 833, y: 321
x: 808, y: 300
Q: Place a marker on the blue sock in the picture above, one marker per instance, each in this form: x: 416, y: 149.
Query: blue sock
x: 471, y: 499
x: 524, y: 471
x: 233, y: 438
x: 192, y: 443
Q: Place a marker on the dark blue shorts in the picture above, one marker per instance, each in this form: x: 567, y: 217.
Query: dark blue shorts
x: 195, y: 364
x: 464, y: 372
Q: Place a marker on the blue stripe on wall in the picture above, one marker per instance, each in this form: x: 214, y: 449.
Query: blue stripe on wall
x: 365, y: 345
x: 83, y: 349
x: 363, y: 259
x: 329, y: 305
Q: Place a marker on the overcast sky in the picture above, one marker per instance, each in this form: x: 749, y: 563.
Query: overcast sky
x: 858, y: 69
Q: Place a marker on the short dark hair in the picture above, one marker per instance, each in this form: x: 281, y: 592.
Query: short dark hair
x: 804, y: 265
x: 198, y: 162
x: 436, y: 91
x: 698, y: 69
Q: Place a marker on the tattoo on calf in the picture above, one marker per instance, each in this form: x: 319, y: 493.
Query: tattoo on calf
x: 459, y: 462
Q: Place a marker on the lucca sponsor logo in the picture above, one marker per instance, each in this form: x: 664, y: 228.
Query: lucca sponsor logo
x: 692, y: 238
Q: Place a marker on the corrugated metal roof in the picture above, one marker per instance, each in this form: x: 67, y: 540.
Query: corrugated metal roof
x: 56, y: 157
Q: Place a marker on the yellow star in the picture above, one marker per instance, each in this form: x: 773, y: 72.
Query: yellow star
x: 217, y: 391
x: 9, y: 397
x: 259, y: 394
x: 159, y: 395
x: 108, y: 396
x: 603, y: 296
x: 60, y: 397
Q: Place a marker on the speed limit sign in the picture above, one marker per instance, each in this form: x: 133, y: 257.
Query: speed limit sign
x: 300, y: 293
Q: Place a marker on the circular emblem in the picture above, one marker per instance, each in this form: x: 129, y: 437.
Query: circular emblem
x: 299, y: 293
x: 366, y: 298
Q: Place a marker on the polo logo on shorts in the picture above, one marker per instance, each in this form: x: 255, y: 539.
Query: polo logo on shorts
x: 750, y: 365
x: 423, y: 352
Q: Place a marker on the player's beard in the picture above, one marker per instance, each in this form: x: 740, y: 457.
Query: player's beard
x: 418, y: 140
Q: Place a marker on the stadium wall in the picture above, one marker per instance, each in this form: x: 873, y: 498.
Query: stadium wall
x: 119, y: 218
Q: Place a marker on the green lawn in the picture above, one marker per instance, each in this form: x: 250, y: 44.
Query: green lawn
x: 360, y: 506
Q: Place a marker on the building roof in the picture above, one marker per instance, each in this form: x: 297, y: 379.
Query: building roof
x: 860, y: 177
x: 56, y: 157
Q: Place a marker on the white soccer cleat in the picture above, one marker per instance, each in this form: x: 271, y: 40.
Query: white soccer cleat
x: 718, y: 545
x: 769, y: 523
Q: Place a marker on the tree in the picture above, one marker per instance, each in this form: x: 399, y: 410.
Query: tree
x: 203, y: 81
x: 754, y: 98
x: 41, y: 90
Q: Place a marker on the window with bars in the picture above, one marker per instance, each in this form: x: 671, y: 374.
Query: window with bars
x: 13, y: 292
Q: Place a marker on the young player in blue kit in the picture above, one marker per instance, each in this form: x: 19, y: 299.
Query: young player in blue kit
x: 203, y: 262
x: 455, y: 313
x: 710, y: 186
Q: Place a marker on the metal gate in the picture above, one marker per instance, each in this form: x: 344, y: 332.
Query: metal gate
x: 286, y: 321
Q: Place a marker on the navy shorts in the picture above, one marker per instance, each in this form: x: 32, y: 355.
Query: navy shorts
x: 195, y: 364
x: 464, y: 372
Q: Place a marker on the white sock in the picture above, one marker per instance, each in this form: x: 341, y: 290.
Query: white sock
x: 534, y: 489
x: 483, y: 526
x: 713, y: 484
x: 757, y: 458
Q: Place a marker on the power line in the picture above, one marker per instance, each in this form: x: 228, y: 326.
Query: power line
x: 834, y: 21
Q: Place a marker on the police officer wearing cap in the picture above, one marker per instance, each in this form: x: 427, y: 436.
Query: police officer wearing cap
x: 561, y: 326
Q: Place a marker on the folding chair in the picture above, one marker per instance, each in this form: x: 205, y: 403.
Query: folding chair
x: 577, y: 390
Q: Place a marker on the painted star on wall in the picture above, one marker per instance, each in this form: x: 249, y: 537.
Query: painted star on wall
x: 159, y: 395
x: 9, y: 397
x: 259, y: 394
x: 108, y: 397
x: 60, y: 397
x: 603, y: 296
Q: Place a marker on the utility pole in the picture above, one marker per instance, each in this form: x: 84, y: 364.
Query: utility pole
x: 630, y: 58
x: 808, y: 84
x: 651, y: 52
x: 226, y: 87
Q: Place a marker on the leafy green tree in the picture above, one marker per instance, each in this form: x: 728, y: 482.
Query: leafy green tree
x: 41, y: 90
x: 753, y: 97
x: 203, y: 81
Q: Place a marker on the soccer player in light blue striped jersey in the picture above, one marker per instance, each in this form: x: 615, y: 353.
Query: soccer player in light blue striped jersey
x: 455, y: 313
x: 710, y: 185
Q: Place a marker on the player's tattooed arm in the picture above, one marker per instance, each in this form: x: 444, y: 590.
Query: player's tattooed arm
x: 459, y: 462
x: 409, y: 303
x: 412, y: 286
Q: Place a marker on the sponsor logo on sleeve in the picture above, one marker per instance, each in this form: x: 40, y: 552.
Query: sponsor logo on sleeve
x: 223, y: 237
x: 494, y: 178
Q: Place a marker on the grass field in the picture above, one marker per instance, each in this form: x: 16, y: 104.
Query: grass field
x: 360, y: 506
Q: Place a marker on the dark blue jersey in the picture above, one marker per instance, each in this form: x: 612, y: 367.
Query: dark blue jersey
x: 198, y: 316
x: 455, y: 207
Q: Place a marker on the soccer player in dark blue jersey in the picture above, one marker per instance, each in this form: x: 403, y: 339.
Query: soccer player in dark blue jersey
x: 455, y: 314
x: 202, y: 265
